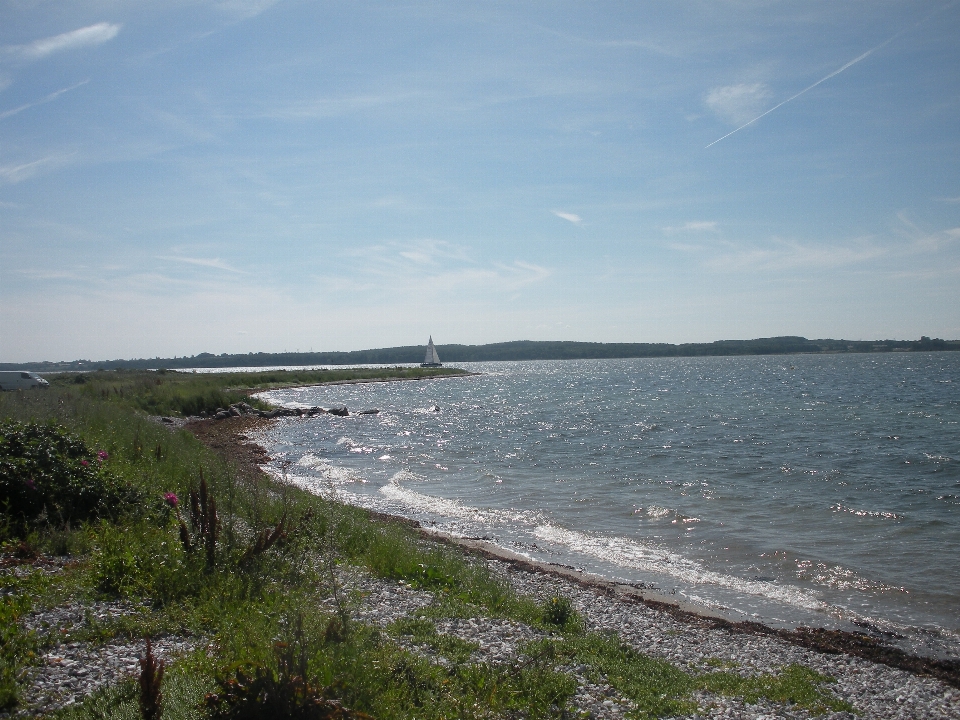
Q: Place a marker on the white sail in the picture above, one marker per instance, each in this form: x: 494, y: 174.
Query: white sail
x: 431, y: 357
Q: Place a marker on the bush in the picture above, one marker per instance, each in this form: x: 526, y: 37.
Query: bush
x: 557, y: 611
x: 48, y: 475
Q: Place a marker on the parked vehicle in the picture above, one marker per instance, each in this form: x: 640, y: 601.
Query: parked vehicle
x: 21, y: 380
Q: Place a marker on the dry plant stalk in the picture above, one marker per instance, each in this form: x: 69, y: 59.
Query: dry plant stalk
x: 151, y: 677
x: 204, y: 522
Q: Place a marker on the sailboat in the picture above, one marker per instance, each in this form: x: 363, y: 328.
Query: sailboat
x: 431, y: 359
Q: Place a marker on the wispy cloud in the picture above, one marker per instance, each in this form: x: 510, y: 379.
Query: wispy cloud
x: 788, y: 255
x: 49, y: 98
x: 244, y: 9
x: 925, y: 240
x: 35, y: 274
x: 12, y: 174
x: 441, y: 283
x: 81, y: 37
x: 179, y: 124
x: 778, y: 254
x: 331, y: 107
x: 736, y: 104
x: 951, y: 200
x: 215, y: 263
x: 569, y: 217
x: 433, y: 268
x: 693, y: 226
x: 419, y: 252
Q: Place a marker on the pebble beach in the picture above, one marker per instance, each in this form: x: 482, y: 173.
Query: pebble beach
x: 71, y: 671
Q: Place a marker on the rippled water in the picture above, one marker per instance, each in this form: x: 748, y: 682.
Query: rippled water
x: 798, y: 489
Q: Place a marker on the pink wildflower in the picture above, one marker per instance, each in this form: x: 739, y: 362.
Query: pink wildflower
x: 84, y: 463
x: 102, y: 455
x: 171, y: 498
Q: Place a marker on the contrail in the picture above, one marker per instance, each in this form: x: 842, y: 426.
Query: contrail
x: 52, y: 96
x: 837, y: 72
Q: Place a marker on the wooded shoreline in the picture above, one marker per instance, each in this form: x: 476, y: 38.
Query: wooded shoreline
x: 517, y: 350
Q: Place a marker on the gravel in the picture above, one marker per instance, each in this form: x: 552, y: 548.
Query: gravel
x: 71, y: 670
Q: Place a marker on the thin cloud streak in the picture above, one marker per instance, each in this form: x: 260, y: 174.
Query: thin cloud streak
x: 694, y: 226
x: 81, y: 37
x: 12, y: 174
x: 49, y: 98
x: 215, y: 263
x: 569, y: 217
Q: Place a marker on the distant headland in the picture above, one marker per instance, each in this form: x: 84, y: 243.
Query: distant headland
x: 516, y: 350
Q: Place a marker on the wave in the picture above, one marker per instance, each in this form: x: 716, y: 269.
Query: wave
x: 420, y: 502
x: 459, y: 518
x: 652, y: 559
x: 620, y: 551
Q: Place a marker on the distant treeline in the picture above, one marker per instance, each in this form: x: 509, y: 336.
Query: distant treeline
x: 518, y: 350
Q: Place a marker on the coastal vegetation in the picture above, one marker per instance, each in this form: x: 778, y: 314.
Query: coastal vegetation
x: 182, y: 394
x: 102, y: 504
x: 517, y: 350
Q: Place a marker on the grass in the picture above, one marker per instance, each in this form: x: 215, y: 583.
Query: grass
x: 255, y: 607
x: 181, y: 394
x: 658, y: 688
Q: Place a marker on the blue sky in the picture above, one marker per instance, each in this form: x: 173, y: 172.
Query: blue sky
x: 248, y: 175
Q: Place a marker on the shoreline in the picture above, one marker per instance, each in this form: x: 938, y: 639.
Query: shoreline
x: 364, y: 381
x: 229, y: 437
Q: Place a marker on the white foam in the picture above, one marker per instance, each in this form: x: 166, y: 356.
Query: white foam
x: 650, y: 558
x: 325, y: 474
x: 420, y: 502
x: 310, y: 461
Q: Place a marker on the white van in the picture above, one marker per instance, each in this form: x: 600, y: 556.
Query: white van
x: 21, y: 380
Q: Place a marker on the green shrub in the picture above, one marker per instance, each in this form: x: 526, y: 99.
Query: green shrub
x: 557, y: 611
x: 49, y: 476
x: 142, y: 560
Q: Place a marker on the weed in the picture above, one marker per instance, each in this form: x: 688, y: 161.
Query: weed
x: 558, y: 612
x: 204, y: 521
x: 794, y: 684
x: 17, y: 648
x: 658, y: 688
x: 151, y: 679
x: 424, y: 632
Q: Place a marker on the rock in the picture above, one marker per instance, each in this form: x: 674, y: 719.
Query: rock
x: 372, y: 411
x: 341, y: 411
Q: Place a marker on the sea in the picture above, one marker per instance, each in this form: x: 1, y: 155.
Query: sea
x: 798, y: 490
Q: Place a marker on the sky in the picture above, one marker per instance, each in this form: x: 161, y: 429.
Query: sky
x: 238, y: 176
